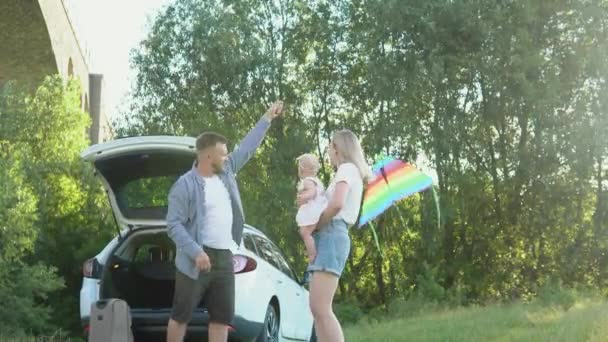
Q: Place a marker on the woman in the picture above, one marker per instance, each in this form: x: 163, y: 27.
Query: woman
x: 331, y: 237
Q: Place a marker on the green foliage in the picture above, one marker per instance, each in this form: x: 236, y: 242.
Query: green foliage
x: 553, y: 293
x: 17, y: 233
x: 428, y: 287
x: 54, y: 215
x: 349, y: 312
x: 410, y: 307
x: 24, y: 289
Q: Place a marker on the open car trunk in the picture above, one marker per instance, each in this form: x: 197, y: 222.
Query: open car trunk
x: 142, y: 271
x: 137, y: 174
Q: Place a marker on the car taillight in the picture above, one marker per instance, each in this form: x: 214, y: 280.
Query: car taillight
x: 91, y: 268
x: 242, y: 264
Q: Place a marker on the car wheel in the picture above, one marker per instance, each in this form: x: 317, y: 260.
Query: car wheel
x: 272, y: 325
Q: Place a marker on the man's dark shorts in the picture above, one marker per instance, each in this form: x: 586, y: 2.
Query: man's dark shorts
x: 215, y: 288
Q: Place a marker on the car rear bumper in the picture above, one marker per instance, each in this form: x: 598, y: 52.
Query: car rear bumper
x: 154, y: 322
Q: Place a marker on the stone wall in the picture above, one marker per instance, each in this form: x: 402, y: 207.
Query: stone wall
x: 26, y: 53
x: 37, y: 39
x: 69, y: 57
x: 100, y: 129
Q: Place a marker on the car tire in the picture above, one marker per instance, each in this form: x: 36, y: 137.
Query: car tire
x: 272, y: 325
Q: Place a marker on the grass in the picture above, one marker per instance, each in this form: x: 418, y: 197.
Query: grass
x: 58, y: 336
x: 586, y: 320
x: 50, y: 338
x: 556, y: 315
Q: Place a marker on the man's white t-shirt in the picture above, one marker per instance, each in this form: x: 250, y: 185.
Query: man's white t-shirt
x: 349, y: 173
x: 217, y: 224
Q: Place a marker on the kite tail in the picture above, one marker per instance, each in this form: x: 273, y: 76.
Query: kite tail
x: 400, y: 216
x: 371, y: 225
x: 436, y: 197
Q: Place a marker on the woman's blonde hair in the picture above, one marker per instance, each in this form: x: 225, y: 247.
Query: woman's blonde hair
x: 349, y: 150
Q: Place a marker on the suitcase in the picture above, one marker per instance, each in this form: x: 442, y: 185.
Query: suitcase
x: 110, y: 321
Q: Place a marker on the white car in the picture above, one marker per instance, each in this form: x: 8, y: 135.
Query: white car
x: 138, y: 264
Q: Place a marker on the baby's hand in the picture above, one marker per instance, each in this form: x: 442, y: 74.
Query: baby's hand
x: 302, y: 199
x: 308, y: 193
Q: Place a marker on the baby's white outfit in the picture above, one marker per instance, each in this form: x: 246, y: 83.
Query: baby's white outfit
x: 309, y: 213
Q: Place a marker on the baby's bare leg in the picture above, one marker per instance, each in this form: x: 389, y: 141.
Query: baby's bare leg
x: 309, y: 242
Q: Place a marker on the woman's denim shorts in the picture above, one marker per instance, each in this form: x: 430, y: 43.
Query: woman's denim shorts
x: 333, y: 247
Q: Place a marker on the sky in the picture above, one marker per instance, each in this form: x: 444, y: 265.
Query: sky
x: 108, y: 30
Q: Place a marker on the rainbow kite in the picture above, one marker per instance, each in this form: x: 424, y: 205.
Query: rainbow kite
x: 394, y: 180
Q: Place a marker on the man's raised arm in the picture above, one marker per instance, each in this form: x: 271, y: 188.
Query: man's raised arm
x: 247, y: 147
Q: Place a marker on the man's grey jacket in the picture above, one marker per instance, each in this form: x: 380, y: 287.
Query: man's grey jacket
x: 186, y: 209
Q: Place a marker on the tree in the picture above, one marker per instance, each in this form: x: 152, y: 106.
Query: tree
x: 56, y: 216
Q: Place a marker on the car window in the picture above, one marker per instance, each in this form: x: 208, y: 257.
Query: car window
x: 248, y: 242
x: 151, y: 253
x: 271, y: 253
x: 147, y: 247
x: 145, y: 196
x: 142, y: 255
x: 284, y: 265
x: 265, y: 250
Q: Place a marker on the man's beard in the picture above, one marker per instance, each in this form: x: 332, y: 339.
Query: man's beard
x: 217, y: 167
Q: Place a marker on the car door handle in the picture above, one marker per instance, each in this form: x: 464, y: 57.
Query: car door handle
x: 280, y: 281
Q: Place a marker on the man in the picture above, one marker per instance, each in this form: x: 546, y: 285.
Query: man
x: 205, y: 220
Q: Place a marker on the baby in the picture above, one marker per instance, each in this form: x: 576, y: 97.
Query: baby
x: 312, y: 193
